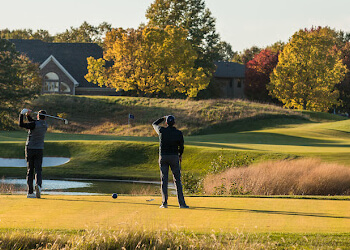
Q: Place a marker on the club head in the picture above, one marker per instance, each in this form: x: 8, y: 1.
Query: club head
x: 65, y: 121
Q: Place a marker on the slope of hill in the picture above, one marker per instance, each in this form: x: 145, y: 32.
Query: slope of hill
x: 109, y: 115
x: 101, y: 144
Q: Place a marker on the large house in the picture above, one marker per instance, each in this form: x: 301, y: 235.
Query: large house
x: 64, y: 65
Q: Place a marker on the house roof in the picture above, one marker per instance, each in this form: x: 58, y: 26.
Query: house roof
x: 52, y: 58
x: 71, y: 56
x: 229, y: 70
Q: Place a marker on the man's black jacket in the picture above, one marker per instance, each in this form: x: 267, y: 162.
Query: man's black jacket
x: 171, y: 140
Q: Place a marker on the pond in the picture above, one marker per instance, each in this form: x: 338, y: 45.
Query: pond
x: 86, y: 187
x: 20, y: 163
x: 77, y: 186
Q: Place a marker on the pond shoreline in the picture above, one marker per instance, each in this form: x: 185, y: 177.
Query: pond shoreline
x: 81, y: 186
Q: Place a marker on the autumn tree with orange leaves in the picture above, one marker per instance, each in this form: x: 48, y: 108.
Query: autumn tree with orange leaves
x: 149, y: 61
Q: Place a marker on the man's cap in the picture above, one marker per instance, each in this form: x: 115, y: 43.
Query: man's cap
x: 40, y: 114
x: 170, y: 120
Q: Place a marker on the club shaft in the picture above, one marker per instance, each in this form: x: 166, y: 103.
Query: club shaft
x: 51, y: 116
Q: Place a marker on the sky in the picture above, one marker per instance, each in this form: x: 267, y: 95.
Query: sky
x: 241, y: 23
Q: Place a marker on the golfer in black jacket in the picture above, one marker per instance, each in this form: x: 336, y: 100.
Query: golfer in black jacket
x: 34, y: 149
x: 171, y: 147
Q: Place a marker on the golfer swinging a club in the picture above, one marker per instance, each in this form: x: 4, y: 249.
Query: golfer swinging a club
x: 171, y: 147
x: 34, y: 149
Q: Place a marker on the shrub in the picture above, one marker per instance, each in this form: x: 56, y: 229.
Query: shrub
x: 191, y: 184
x: 220, y: 164
x: 7, y: 121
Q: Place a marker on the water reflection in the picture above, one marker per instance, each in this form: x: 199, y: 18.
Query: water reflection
x: 49, y: 184
x: 54, y: 187
x: 47, y: 162
x: 89, y: 187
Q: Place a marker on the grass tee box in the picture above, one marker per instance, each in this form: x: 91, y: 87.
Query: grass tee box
x: 221, y: 214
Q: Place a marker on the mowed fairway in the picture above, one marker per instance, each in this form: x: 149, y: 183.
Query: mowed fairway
x: 113, y: 157
x: 207, y: 214
x: 328, y: 141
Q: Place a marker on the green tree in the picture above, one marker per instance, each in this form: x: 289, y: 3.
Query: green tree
x: 308, y: 69
x: 20, y: 80
x: 43, y: 35
x: 85, y: 33
x: 247, y: 55
x: 148, y: 61
x: 225, y: 51
x: 193, y: 16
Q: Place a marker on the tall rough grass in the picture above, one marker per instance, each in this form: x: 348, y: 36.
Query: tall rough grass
x: 95, y: 239
x: 126, y: 240
x: 109, y: 115
x: 8, y: 188
x: 284, y: 177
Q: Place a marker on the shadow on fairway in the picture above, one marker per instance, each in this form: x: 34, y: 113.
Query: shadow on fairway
x: 260, y: 138
x: 218, y: 209
x: 321, y: 215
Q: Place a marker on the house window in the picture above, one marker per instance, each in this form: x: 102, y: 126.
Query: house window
x: 239, y: 83
x: 64, y: 87
x: 231, y: 83
x: 53, y: 85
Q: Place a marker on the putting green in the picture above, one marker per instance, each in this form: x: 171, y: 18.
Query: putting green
x: 226, y: 214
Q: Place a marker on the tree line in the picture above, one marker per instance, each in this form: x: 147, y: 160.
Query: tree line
x: 310, y: 72
x: 173, y: 55
x: 85, y: 33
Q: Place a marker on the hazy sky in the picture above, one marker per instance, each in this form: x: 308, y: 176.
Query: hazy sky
x: 242, y: 23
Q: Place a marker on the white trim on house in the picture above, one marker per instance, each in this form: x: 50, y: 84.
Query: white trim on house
x: 55, y: 61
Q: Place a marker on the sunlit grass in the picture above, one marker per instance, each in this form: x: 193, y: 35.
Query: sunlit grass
x: 220, y: 214
x: 116, y: 159
x: 232, y: 128
x: 121, y: 239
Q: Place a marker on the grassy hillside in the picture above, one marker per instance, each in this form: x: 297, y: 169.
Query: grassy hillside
x: 101, y: 144
x: 115, y: 157
x: 109, y: 115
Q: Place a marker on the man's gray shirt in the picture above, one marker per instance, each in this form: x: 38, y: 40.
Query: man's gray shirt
x: 36, y: 133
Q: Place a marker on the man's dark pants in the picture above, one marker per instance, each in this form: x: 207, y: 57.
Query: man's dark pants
x: 34, y: 158
x: 172, y: 161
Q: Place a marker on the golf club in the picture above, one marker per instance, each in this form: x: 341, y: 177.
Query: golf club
x: 55, y: 117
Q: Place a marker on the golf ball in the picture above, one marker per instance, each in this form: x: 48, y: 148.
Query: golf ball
x: 114, y: 196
